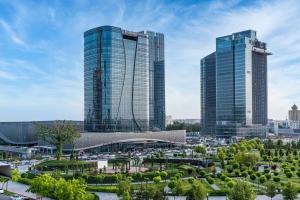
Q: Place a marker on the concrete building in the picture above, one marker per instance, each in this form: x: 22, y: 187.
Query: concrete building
x: 294, y: 117
x: 124, y: 80
x: 169, y: 120
x: 294, y: 113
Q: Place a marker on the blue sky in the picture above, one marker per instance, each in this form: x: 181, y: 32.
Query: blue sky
x: 41, y: 50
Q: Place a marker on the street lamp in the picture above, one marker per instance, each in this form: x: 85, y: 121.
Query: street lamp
x: 206, y: 196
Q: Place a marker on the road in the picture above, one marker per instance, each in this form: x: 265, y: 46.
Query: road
x: 4, y: 197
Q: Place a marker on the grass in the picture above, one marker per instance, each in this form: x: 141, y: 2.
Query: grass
x: 58, y: 163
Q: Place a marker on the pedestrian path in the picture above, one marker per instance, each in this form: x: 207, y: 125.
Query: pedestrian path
x: 20, y: 189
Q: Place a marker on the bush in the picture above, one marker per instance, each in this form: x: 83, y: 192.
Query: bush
x: 244, y: 174
x: 230, y: 184
x: 235, y: 165
x: 289, y: 174
x: 266, y: 171
x: 25, y: 181
x: 252, y: 177
x: 298, y: 173
x: 202, y: 173
x: 219, y: 175
x: 229, y: 169
x: 276, y: 179
x: 258, y: 174
x: 268, y: 176
x: 223, y: 177
x: 293, y: 169
x: 276, y: 159
x: 210, y: 180
x: 109, y: 189
x: 276, y: 173
x: 237, y: 173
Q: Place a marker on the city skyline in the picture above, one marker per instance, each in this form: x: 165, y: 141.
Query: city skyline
x: 41, y: 69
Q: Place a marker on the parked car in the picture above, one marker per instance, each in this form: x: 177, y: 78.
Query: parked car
x: 16, y: 197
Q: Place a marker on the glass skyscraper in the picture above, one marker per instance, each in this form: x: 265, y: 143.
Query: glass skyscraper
x: 240, y: 93
x: 123, y: 80
x: 208, y: 94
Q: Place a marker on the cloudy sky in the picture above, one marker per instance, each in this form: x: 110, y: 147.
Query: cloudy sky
x: 41, y: 50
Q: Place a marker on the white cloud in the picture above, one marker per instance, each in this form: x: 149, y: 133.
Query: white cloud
x: 12, y: 34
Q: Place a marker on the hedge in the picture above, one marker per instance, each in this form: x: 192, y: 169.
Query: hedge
x: 109, y: 189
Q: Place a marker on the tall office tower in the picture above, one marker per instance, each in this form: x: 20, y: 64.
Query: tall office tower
x: 241, y: 85
x: 156, y: 80
x: 208, y: 94
x: 120, y: 74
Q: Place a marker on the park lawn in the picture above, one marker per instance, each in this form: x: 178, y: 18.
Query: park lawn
x: 58, y: 163
x: 221, y: 184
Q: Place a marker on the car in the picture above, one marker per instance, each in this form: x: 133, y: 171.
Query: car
x: 16, y: 197
x: 1, y: 191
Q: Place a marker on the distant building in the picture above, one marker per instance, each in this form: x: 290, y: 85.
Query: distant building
x: 169, y: 120
x: 124, y: 80
x: 294, y: 114
x: 208, y: 94
x: 187, y: 121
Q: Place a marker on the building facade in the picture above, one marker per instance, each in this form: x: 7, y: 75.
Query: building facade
x: 294, y: 113
x: 241, y: 85
x: 294, y: 117
x: 123, y: 80
x: 208, y: 94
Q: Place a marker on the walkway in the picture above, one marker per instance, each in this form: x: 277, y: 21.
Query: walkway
x: 20, y: 189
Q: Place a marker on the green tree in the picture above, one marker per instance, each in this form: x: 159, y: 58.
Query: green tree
x: 222, y: 156
x: 163, y: 175
x: 179, y: 188
x: 271, y: 190
x: 290, y: 191
x: 126, y: 196
x: 124, y: 185
x: 60, y: 189
x: 155, y: 192
x: 242, y: 191
x: 197, y: 192
x: 200, y: 149
x: 60, y: 133
x: 157, y: 179
x: 15, y: 175
x: 99, y: 178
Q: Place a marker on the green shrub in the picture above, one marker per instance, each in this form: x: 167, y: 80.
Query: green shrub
x: 276, y: 179
x: 276, y: 173
x: 266, y: 171
x: 26, y: 181
x: 210, y: 180
x: 223, y: 177
x: 230, y: 184
x: 244, y: 174
x: 258, y: 174
x: 252, y: 177
x: 268, y: 176
x: 109, y: 189
x: 289, y: 174
x: 202, y: 173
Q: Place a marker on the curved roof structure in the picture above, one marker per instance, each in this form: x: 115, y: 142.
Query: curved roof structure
x: 91, y: 140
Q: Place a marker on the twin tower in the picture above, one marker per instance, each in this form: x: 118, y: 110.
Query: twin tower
x: 234, y: 87
x: 124, y: 80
